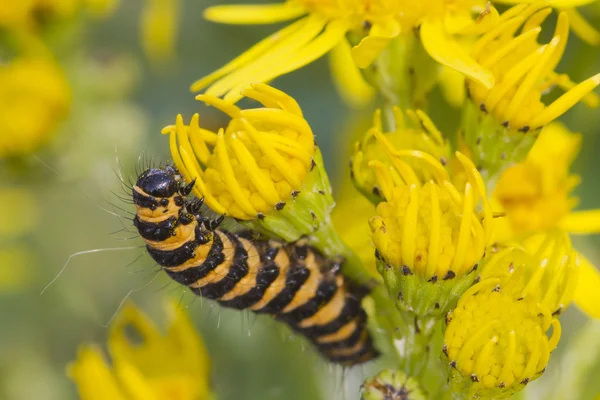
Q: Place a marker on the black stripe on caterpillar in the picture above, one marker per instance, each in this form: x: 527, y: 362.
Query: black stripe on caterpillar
x: 293, y: 282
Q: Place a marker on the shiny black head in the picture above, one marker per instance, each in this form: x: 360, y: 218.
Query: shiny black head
x: 159, y: 182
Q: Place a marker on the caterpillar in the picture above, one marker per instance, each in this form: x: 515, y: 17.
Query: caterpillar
x: 293, y: 282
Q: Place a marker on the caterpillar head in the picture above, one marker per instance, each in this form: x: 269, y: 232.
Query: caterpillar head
x: 158, y: 182
x: 159, y: 193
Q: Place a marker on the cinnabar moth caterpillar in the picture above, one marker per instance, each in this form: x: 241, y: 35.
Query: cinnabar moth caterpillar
x: 293, y: 282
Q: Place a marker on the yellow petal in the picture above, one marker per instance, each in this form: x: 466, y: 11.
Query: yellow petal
x: 587, y: 294
x: 446, y: 50
x: 371, y: 46
x: 249, y: 55
x: 94, y: 379
x: 253, y: 14
x: 582, y: 28
x: 333, y: 34
x: 552, y: 3
x: 137, y: 386
x: 565, y: 102
x: 582, y: 222
x: 347, y: 77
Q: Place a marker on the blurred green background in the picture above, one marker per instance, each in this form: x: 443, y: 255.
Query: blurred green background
x: 120, y: 103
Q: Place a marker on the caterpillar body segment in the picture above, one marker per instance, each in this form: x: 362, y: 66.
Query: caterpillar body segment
x: 293, y: 282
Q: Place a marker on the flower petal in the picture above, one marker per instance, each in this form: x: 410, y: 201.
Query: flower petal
x: 587, y: 294
x: 446, y: 50
x: 371, y: 46
x: 333, y: 34
x: 94, y: 378
x: 253, y: 14
x: 582, y: 222
x: 253, y: 53
x: 347, y: 77
x: 565, y: 102
x: 582, y: 28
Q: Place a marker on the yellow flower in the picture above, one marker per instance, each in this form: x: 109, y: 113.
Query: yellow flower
x: 256, y: 164
x: 536, y: 192
x: 34, y: 98
x: 414, y: 130
x: 158, y: 29
x: 31, y: 14
x: 524, y: 70
x: 429, y: 236
x: 325, y: 25
x: 536, y: 197
x: 148, y: 365
x: 581, y: 27
x: 430, y: 228
x: 543, y: 265
x: 495, y: 342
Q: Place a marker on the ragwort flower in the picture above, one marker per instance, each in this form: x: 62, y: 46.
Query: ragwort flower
x: 524, y: 70
x: 501, y: 124
x: 33, y: 14
x: 162, y: 366
x: 536, y: 196
x: 496, y: 340
x: 325, y: 24
x: 263, y: 168
x: 414, y: 130
x: 30, y: 87
x: 429, y: 236
x: 158, y: 29
x: 581, y: 27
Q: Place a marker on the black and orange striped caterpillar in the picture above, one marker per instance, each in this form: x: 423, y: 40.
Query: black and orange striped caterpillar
x: 293, y: 282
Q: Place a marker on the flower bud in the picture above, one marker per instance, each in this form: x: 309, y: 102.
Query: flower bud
x: 495, y: 342
x: 391, y: 385
x: 429, y: 236
x: 414, y: 131
x: 544, y: 266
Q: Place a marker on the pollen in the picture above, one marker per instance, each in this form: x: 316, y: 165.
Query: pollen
x: 523, y: 70
x: 256, y: 163
x: 497, y: 343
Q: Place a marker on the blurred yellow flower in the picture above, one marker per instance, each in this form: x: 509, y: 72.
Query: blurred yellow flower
x: 16, y: 259
x: 158, y: 29
x: 324, y: 26
x: 34, y: 98
x: 145, y: 363
x: 30, y: 14
x: 536, y: 197
x: 523, y: 70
